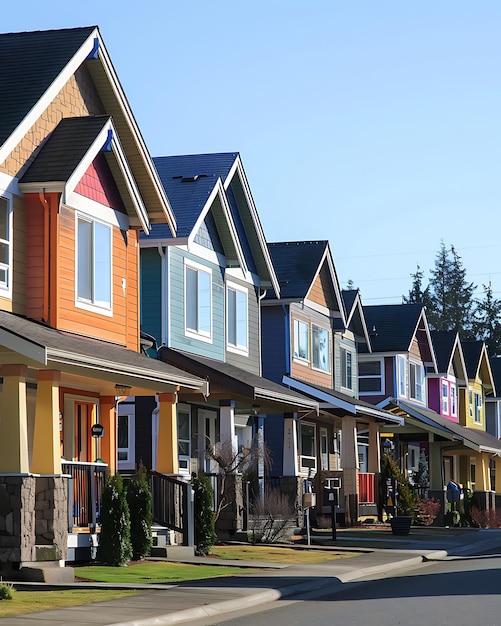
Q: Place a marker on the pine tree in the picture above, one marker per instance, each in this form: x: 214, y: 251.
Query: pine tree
x: 416, y: 292
x: 141, y: 517
x: 114, y: 539
x: 487, y: 321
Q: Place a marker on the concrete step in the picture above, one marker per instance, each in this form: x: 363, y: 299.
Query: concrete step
x: 173, y: 552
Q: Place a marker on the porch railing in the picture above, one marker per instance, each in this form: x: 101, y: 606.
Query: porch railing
x: 172, y: 503
x: 366, y: 488
x: 85, y: 485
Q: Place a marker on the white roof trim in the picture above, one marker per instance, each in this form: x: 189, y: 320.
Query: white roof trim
x: 27, y: 348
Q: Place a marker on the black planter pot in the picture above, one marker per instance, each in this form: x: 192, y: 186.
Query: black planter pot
x: 401, y: 524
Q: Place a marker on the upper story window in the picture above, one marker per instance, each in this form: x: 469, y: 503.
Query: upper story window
x: 346, y: 369
x: 445, y: 398
x: 320, y: 358
x: 402, y: 376
x: 5, y: 243
x: 237, y: 318
x: 301, y: 340
x: 93, y: 263
x: 477, y: 408
x: 416, y: 382
x: 453, y: 393
x: 198, y: 300
x: 370, y: 377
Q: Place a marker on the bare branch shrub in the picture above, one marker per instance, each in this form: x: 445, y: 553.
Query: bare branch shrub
x: 486, y: 518
x: 426, y: 511
x: 272, y: 518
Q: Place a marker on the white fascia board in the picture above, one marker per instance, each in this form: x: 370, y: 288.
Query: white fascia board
x: 18, y: 344
x: 422, y: 316
x: 99, y: 211
x: 383, y: 415
x: 331, y: 401
x: 70, y: 68
x: 357, y: 304
x: 238, y: 167
x: 127, y: 111
x: 50, y: 186
x: 266, y: 394
x: 327, y: 257
x: 166, y: 243
x: 9, y: 184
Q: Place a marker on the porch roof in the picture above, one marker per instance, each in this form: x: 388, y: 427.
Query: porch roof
x: 335, y: 400
x: 229, y: 382
x: 80, y: 359
x: 477, y: 440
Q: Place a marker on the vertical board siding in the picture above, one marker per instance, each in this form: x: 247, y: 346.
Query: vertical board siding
x: 273, y: 348
x: 252, y: 362
x: 151, y: 293
x: 178, y: 339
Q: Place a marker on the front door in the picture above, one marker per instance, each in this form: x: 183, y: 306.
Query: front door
x: 84, y: 443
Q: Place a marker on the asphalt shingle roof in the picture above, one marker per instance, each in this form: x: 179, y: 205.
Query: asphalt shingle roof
x: 296, y: 263
x: 495, y: 363
x: 443, y: 344
x: 64, y: 149
x: 391, y: 326
x: 188, y: 181
x: 29, y: 63
x: 472, y: 351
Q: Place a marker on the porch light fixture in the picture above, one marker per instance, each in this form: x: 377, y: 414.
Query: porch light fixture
x: 122, y: 390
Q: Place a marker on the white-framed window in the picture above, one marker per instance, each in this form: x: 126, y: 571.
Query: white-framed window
x: 93, y: 264
x: 237, y: 318
x: 346, y: 369
x: 477, y: 408
x: 301, y: 340
x: 184, y: 438
x: 445, y: 398
x: 370, y: 377
x: 470, y: 401
x: 320, y: 353
x: 324, y: 449
x: 307, y: 447
x: 126, y: 436
x: 5, y: 243
x: 402, y: 376
x: 453, y: 393
x: 416, y: 381
x: 198, y: 300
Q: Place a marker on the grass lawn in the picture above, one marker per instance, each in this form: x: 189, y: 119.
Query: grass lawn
x: 34, y: 601
x: 271, y: 554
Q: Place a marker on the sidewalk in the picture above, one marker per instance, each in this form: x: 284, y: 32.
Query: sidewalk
x: 173, y: 604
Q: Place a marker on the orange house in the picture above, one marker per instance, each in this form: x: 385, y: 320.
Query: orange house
x: 77, y: 185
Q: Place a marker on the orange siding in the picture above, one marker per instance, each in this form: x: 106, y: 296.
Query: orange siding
x: 35, y: 258
x: 322, y: 291
x: 308, y: 375
x: 19, y: 256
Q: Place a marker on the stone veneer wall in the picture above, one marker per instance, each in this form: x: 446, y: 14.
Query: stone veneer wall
x: 51, y: 514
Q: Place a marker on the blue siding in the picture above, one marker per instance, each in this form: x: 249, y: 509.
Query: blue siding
x: 274, y: 439
x: 177, y: 337
x: 151, y: 276
x: 273, y: 343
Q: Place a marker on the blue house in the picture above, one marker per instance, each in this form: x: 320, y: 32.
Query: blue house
x: 201, y: 292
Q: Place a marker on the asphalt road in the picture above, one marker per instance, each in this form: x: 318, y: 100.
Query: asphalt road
x: 456, y: 592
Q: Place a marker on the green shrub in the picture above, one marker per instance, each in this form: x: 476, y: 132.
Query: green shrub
x: 6, y: 591
x: 405, y: 499
x: 141, y: 517
x: 205, y: 531
x: 114, y: 539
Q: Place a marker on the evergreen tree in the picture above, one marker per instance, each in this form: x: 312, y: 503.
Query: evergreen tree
x: 205, y: 525
x: 487, y: 321
x: 114, y: 539
x: 141, y: 517
x: 350, y: 285
x: 416, y: 292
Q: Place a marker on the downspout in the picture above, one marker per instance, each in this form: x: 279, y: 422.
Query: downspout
x: 46, y: 256
x: 163, y: 296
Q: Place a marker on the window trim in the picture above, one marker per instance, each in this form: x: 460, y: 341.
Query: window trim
x: 344, y: 354
x: 80, y: 301
x: 418, y: 367
x: 6, y: 287
x: 237, y: 348
x: 127, y: 409
x: 402, y: 376
x: 190, y: 332
x: 183, y: 458
x: 304, y: 469
x: 444, y: 403
x: 381, y: 377
x: 477, y: 408
x: 295, y: 323
x: 453, y: 400
x: 313, y: 366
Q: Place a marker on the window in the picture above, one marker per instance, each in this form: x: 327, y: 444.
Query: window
x: 198, y: 301
x: 301, y: 340
x: 126, y: 432
x: 5, y: 248
x: 94, y: 263
x: 402, y: 387
x: 453, y: 400
x: 324, y: 459
x: 416, y: 381
x: 237, y: 318
x: 346, y: 369
x: 370, y: 377
x: 184, y: 439
x: 307, y: 447
x: 445, y: 398
x: 470, y: 401
x: 320, y: 348
x: 477, y: 415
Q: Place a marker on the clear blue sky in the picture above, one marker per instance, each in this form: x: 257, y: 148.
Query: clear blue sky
x: 376, y: 125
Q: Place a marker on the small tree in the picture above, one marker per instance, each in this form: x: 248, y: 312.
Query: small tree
x: 114, y: 539
x: 390, y: 469
x: 421, y: 477
x: 141, y: 516
x: 205, y: 530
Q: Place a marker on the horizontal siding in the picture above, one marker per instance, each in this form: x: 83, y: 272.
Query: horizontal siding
x: 19, y: 256
x: 273, y: 347
x: 151, y: 290
x: 345, y: 343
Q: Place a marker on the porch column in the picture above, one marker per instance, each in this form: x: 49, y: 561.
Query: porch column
x: 482, y: 475
x: 497, y: 486
x: 374, y: 460
x: 14, y: 421
x: 349, y: 460
x: 108, y: 419
x: 167, y: 453
x: 290, y: 452
x: 46, y: 446
x: 227, y: 424
x: 435, y: 464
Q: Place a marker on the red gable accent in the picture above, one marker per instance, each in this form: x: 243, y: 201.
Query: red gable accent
x: 98, y: 184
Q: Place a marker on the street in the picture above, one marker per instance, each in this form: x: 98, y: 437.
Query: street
x: 455, y: 592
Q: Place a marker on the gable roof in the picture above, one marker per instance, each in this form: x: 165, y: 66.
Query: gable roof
x: 477, y: 363
x: 355, y: 318
x: 449, y: 352
x: 392, y: 326
x: 39, y: 64
x: 495, y: 363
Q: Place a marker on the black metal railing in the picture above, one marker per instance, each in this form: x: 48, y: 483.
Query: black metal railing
x: 172, y: 503
x: 85, y: 485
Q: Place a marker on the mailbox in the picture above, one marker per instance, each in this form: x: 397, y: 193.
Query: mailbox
x: 309, y: 500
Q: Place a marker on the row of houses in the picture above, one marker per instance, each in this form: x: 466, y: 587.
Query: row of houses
x: 144, y: 317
